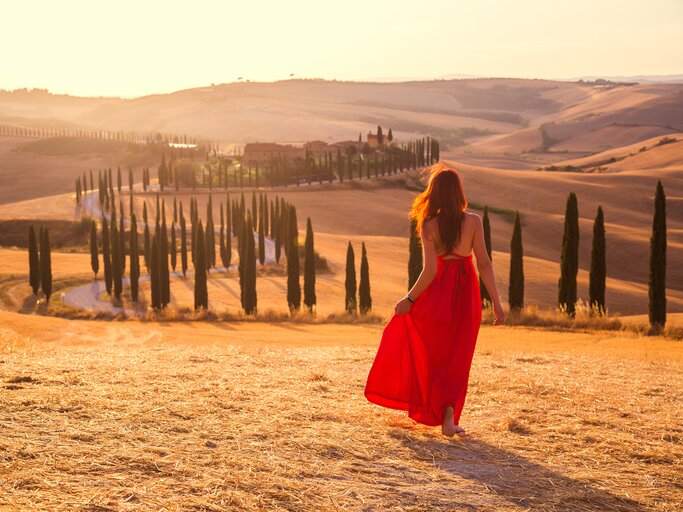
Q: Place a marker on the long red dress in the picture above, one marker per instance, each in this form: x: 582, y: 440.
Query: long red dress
x: 424, y: 357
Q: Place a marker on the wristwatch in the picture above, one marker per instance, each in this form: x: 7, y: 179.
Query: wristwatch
x: 409, y: 297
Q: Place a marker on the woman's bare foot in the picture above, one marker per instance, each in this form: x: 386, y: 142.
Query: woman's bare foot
x: 449, y: 428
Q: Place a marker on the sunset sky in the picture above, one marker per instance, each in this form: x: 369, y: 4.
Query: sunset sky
x: 132, y: 48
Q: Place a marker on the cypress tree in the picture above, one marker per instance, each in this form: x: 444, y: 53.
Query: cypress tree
x: 415, y: 256
x: 250, y: 270
x: 350, y: 282
x: 122, y: 238
x: 485, y: 297
x: 221, y: 239
x: 657, y: 278
x: 261, y: 239
x: 46, y: 266
x: 134, y: 259
x: 309, y: 268
x: 174, y: 251
x: 183, y: 242
x: 201, y: 296
x: 33, y: 261
x: 155, y: 274
x: 273, y: 218
x: 598, y: 270
x: 293, y: 284
x: 118, y: 179
x: 516, y: 286
x: 146, y: 247
x: 266, y: 218
x: 106, y: 255
x: 164, y: 277
x: 242, y: 252
x: 364, y: 297
x: 569, y: 265
x: 210, y: 236
x: 117, y: 278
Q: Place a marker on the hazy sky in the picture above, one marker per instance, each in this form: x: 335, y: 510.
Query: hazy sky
x: 140, y: 47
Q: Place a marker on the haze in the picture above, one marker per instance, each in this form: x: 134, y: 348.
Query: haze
x: 129, y: 48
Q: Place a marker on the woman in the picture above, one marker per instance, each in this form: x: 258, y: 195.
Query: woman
x: 423, y: 361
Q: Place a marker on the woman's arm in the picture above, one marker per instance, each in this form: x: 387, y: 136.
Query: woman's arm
x: 429, y: 268
x: 485, y: 268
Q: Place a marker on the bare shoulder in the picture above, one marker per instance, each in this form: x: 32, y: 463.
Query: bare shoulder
x: 472, y: 218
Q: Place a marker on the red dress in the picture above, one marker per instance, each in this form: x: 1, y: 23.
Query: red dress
x: 424, y: 357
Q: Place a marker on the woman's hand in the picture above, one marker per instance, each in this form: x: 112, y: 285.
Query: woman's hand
x: 499, y: 314
x: 402, y: 307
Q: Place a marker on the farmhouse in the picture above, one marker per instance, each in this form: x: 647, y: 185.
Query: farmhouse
x: 261, y: 154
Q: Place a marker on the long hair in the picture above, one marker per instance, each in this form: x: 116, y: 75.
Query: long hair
x: 444, y: 198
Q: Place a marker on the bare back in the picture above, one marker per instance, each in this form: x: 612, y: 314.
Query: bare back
x: 467, y: 234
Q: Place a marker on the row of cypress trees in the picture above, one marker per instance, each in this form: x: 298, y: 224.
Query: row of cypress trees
x: 40, y: 262
x: 357, y: 297
x: 569, y: 262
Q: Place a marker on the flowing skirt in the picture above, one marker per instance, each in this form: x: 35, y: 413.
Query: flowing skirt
x: 424, y: 357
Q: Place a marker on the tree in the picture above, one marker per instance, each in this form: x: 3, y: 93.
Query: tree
x: 657, y: 278
x: 516, y: 286
x: 106, y: 255
x: 485, y: 297
x: 134, y: 259
x: 390, y: 136
x: 380, y: 136
x: 155, y: 274
x: 201, y: 295
x: 250, y: 269
x: 598, y: 270
x: 364, y: 297
x: 293, y: 284
x: 183, y: 242
x: 46, y: 265
x: 350, y: 282
x: 414, y: 257
x: 261, y: 239
x: 569, y: 264
x: 309, y: 268
x: 33, y: 261
x: 117, y: 277
x: 165, y: 279
x: 147, y: 246
x: 174, y: 250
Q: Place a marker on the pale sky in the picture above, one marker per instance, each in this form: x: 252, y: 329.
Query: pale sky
x: 131, y: 48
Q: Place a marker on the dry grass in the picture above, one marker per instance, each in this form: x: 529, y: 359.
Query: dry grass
x: 533, y: 316
x: 139, y: 422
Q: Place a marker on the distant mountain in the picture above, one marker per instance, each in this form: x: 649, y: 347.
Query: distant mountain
x: 641, y: 79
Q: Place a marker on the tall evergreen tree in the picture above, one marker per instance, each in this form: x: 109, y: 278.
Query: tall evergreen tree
x: 293, y: 283
x: 134, y: 259
x: 201, y: 296
x: 414, y: 257
x: 364, y: 297
x: 210, y: 236
x: 569, y: 265
x: 174, y: 249
x: 221, y: 238
x: 106, y: 255
x: 122, y: 238
x: 261, y: 239
x: 183, y: 242
x: 250, y: 270
x: 516, y: 286
x: 155, y: 274
x: 350, y: 283
x: 164, y: 275
x: 117, y: 277
x: 46, y: 265
x: 33, y: 261
x: 657, y: 278
x: 485, y: 297
x: 598, y: 270
x: 310, y: 299
x: 147, y: 245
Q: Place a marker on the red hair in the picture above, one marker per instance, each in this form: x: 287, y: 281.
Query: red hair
x: 443, y: 199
